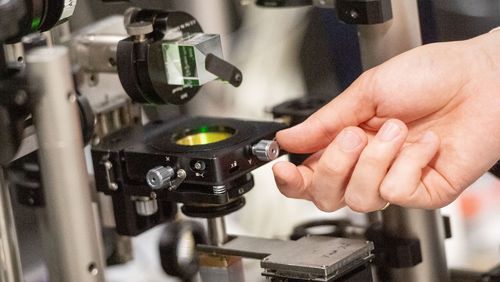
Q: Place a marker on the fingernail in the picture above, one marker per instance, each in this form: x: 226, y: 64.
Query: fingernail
x: 389, y: 131
x: 348, y: 140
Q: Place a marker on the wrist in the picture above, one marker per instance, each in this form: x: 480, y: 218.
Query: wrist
x: 486, y: 52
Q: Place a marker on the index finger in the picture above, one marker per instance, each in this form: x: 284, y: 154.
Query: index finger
x: 350, y: 108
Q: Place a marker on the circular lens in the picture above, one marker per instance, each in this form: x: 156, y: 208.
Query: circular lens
x: 204, y: 135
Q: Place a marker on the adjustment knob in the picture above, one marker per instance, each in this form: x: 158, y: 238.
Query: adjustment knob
x: 146, y: 206
x: 266, y: 150
x: 159, y: 176
x: 178, y: 254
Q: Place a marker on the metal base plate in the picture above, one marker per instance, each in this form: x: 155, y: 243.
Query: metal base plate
x: 314, y: 258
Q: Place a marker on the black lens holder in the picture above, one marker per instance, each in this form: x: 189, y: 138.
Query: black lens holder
x: 216, y: 175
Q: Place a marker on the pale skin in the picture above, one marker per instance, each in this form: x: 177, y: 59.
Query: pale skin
x: 415, y: 131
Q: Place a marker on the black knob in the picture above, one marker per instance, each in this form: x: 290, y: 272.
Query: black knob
x: 11, y: 12
x: 178, y: 248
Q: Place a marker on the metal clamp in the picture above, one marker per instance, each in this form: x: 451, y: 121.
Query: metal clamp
x: 110, y: 176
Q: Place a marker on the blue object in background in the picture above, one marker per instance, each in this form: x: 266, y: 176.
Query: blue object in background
x: 344, y: 45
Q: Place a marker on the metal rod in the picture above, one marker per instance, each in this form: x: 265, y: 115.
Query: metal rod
x: 69, y: 213
x: 428, y: 227
x: 14, y: 53
x: 217, y: 235
x: 10, y: 261
x: 96, y: 53
x: 379, y: 43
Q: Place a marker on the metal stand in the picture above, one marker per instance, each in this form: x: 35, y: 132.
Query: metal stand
x: 216, y: 227
x: 219, y: 268
x: 69, y: 211
x: 428, y: 227
x: 379, y: 43
x: 10, y: 262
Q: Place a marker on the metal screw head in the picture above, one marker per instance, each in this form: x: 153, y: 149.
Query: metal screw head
x: 266, y: 150
x: 21, y: 97
x: 200, y: 165
x: 113, y: 186
x: 354, y: 14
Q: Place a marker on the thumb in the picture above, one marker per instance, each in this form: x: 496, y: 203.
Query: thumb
x: 351, y: 108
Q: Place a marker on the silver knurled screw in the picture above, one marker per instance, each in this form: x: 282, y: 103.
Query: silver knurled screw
x: 266, y: 150
x: 159, y: 177
x: 146, y: 207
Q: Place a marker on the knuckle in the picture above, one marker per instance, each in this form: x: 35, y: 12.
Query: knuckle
x: 325, y: 206
x: 359, y: 208
x: 332, y: 170
x: 373, y: 79
x: 325, y: 199
x: 357, y: 204
x: 287, y: 192
x: 391, y: 193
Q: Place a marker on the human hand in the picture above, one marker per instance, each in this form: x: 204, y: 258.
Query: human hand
x: 414, y: 131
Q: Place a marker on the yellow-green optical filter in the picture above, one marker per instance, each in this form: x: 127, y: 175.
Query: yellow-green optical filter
x: 203, y: 138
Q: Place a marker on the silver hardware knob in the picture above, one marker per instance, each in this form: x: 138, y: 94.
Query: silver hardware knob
x: 266, y: 150
x: 159, y: 177
x: 146, y: 207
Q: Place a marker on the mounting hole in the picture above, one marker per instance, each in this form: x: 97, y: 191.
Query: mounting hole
x: 93, y: 79
x: 20, y: 59
x: 92, y: 269
x: 112, y: 62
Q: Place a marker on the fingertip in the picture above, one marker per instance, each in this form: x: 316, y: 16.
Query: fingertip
x: 284, y: 173
x: 290, y: 138
x: 403, y: 127
x: 289, y: 180
x: 393, y: 131
x: 351, y: 139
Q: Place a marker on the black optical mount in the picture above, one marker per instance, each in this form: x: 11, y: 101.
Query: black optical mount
x: 203, y: 163
x: 349, y: 11
x: 145, y: 58
x: 19, y: 18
